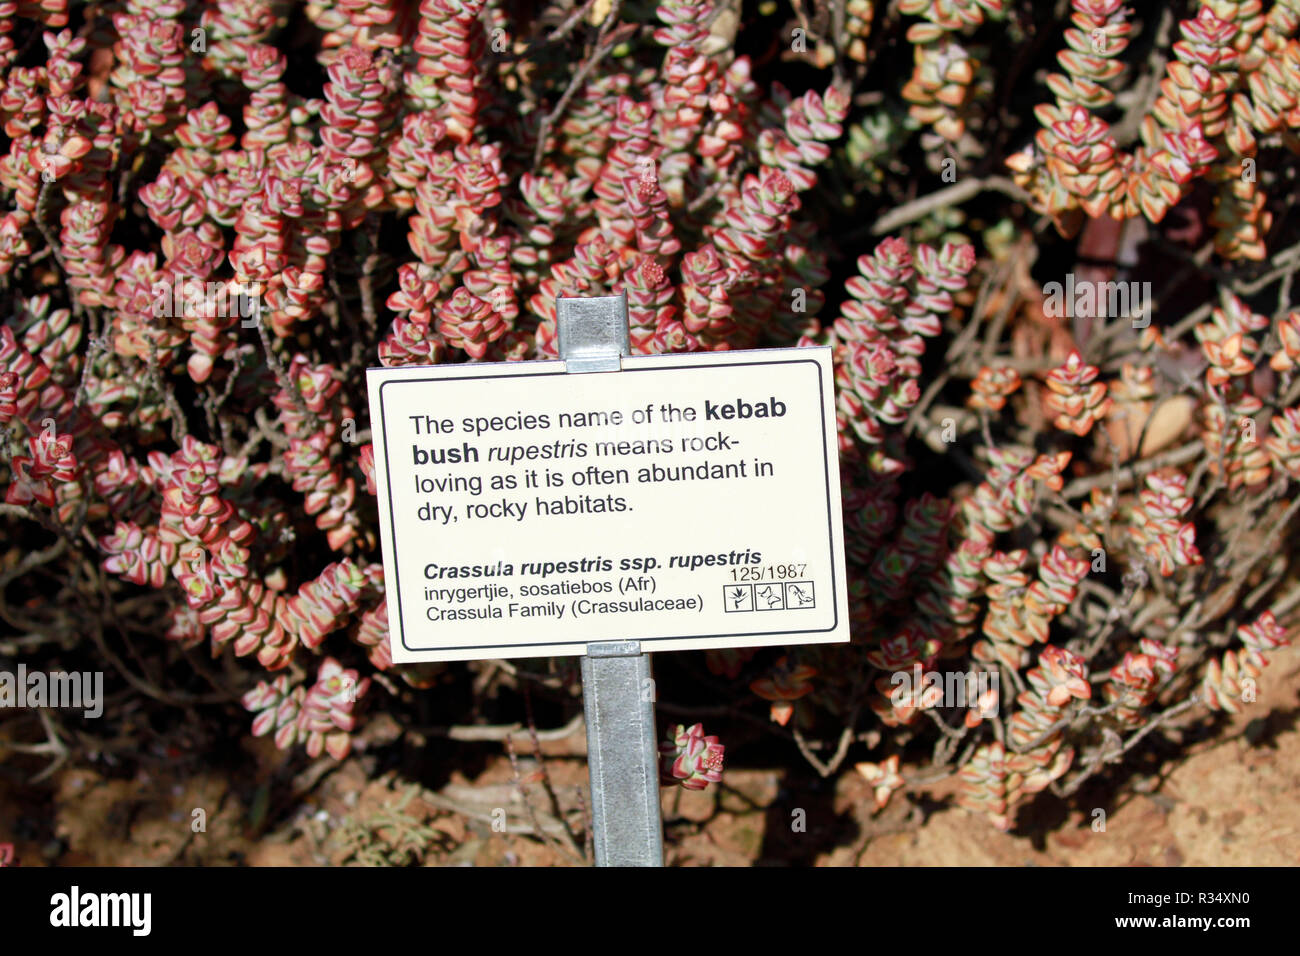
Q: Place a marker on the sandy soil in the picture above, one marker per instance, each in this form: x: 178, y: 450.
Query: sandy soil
x: 1231, y: 799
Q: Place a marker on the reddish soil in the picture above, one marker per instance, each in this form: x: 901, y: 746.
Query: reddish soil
x: 1232, y: 799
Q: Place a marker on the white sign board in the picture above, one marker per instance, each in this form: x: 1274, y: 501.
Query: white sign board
x: 687, y: 501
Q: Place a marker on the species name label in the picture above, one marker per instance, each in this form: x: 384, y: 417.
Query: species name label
x: 686, y: 501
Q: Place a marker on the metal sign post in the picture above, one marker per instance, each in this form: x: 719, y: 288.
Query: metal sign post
x: 622, y: 761
x: 663, y: 502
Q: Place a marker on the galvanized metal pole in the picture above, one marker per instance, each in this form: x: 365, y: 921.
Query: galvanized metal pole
x: 622, y: 762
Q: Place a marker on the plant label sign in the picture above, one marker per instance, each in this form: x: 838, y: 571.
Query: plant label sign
x: 686, y: 501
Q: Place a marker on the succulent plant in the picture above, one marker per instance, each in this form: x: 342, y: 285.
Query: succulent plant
x: 690, y: 759
x: 203, y: 246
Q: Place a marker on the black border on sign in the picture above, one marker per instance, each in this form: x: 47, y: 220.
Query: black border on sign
x: 830, y: 518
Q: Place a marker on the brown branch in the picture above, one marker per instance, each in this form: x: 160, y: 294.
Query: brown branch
x: 558, y: 841
x: 1130, y: 473
x: 952, y: 195
x: 547, y: 786
x: 1104, y: 756
x: 499, y: 732
x: 565, y: 28
x: 604, y: 47
x: 33, y: 560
